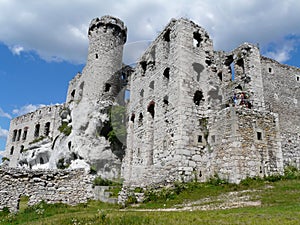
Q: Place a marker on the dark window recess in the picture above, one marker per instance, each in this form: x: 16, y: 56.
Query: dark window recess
x: 73, y: 94
x: 142, y: 93
x: 37, y: 130
x: 151, y: 85
x: 208, y: 62
x: 141, y: 117
x: 41, y: 160
x: 151, y: 109
x: 69, y: 145
x: 22, y: 149
x: 220, y: 75
x: 167, y: 73
x: 132, y: 117
x: 298, y: 78
x: 12, y: 150
x: 198, y: 97
x: 197, y: 39
x: 259, y: 136
x: 144, y: 67
x: 107, y: 87
x: 270, y: 70
x: 25, y: 134
x: 166, y: 100
x: 47, y: 129
x: 96, y: 56
x: 199, y: 138
x: 240, y: 63
x: 19, y: 134
x: 105, y: 129
x: 15, y: 135
x: 167, y: 36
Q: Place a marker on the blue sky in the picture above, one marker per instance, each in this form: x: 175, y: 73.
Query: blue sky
x: 43, y: 44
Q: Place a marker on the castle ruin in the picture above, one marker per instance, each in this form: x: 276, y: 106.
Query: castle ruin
x: 193, y: 112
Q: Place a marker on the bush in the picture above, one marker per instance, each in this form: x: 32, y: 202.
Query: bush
x: 291, y: 172
x: 37, y: 140
x: 216, y: 180
x: 65, y: 129
x: 99, y: 181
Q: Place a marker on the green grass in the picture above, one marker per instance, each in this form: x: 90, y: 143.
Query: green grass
x: 280, y: 204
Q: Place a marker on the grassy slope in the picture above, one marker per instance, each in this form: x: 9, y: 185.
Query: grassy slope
x: 280, y: 204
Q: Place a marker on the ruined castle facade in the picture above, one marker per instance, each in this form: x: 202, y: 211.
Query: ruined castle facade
x: 193, y: 111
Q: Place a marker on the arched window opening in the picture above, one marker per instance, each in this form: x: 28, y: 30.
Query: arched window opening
x: 41, y: 160
x: 25, y: 133
x: 144, y: 67
x: 142, y: 93
x: 198, y: 97
x: 12, y: 150
x: 167, y: 73
x: 37, y: 130
x: 19, y: 134
x: 151, y: 109
x: 151, y: 85
x: 96, y: 56
x: 132, y: 117
x: 14, y: 135
x: 47, y: 129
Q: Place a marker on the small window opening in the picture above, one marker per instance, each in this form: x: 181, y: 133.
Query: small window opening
x: 96, y: 56
x: 47, y: 129
x: 167, y: 73
x: 144, y: 67
x: 19, y: 135
x: 73, y: 94
x: 166, y: 100
x: 25, y: 133
x: 142, y: 93
x: 220, y: 75
x: 229, y: 63
x: 37, y: 130
x: 69, y: 145
x: 200, y: 139
x: 107, y: 87
x: 259, y: 136
x: 208, y: 62
x: 41, y: 160
x: 213, y: 138
x: 141, y: 118
x: 132, y: 117
x: 270, y: 70
x: 15, y: 135
x: 151, y: 109
x: 197, y: 39
x: 22, y: 149
x: 198, y: 96
x: 298, y: 78
x: 240, y: 64
x: 167, y: 36
x: 12, y: 150
x: 151, y: 85
x: 127, y: 95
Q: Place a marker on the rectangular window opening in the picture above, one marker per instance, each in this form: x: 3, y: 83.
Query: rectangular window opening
x: 259, y: 136
x: 200, y: 139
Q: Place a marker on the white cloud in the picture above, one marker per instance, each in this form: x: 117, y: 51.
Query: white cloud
x: 57, y: 30
x: 27, y: 109
x: 16, y: 50
x: 4, y: 114
x: 3, y: 133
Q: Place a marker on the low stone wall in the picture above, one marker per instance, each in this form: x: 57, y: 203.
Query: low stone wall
x: 52, y: 186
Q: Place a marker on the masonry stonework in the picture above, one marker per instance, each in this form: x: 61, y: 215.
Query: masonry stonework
x: 193, y: 112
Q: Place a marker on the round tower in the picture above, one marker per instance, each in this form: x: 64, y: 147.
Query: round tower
x: 101, y: 74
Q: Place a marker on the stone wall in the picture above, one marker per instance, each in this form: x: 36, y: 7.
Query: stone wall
x: 282, y: 94
x: 25, y: 130
x: 60, y: 186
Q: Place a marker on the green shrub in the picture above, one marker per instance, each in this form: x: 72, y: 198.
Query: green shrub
x: 291, y: 172
x: 37, y: 140
x: 99, y: 181
x: 65, y: 129
x: 93, y: 169
x: 5, y: 159
x: 216, y: 180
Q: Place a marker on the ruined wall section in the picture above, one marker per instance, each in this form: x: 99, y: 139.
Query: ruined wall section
x: 244, y: 143
x: 26, y: 130
x: 61, y: 186
x: 153, y: 125
x: 282, y: 94
x: 75, y: 89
